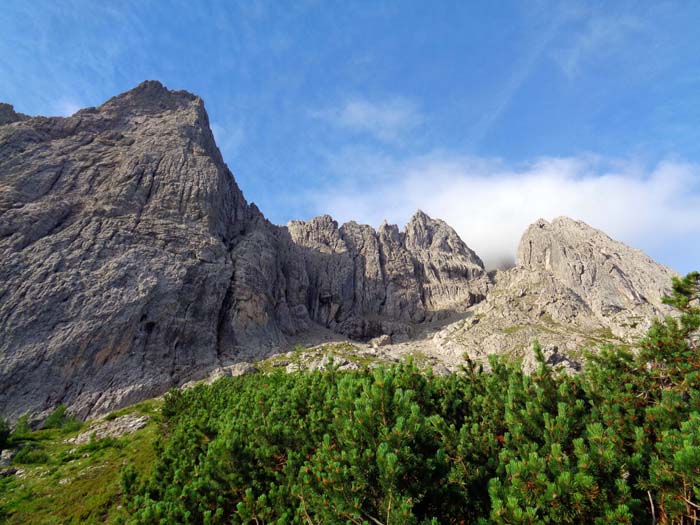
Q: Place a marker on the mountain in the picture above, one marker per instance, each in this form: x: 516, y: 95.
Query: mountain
x: 573, y: 287
x: 130, y: 262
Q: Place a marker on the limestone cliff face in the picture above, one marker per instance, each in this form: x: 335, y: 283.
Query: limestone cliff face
x: 130, y: 261
x: 364, y: 283
x: 115, y: 231
x: 617, y: 282
x: 573, y: 288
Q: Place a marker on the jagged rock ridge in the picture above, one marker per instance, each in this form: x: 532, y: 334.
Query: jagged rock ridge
x: 365, y: 282
x: 131, y: 261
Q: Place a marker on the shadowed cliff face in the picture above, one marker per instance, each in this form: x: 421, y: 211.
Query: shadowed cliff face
x: 365, y: 283
x: 130, y: 261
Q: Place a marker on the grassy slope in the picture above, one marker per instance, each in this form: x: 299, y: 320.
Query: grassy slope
x: 81, y: 484
x: 78, y: 484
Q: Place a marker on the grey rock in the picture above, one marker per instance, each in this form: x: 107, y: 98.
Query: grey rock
x: 555, y: 359
x: 8, y: 115
x: 110, y: 428
x: 6, y: 456
x: 116, y: 226
x: 573, y: 288
x: 11, y: 471
x: 441, y: 370
x: 325, y: 362
x: 617, y: 282
x: 382, y: 340
x: 131, y: 262
x: 365, y: 283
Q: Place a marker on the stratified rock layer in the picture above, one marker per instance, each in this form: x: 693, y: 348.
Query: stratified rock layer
x: 130, y: 261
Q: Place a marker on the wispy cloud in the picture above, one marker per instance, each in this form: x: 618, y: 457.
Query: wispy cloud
x: 521, y: 72
x: 387, y: 120
x: 490, y: 203
x: 66, y: 107
x: 601, y: 35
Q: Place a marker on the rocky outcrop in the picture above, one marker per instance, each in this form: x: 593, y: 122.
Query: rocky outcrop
x: 573, y: 288
x: 9, y: 115
x: 116, y: 226
x: 616, y: 282
x: 110, y: 428
x: 130, y: 261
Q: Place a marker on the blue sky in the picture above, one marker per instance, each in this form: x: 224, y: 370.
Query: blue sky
x: 487, y: 114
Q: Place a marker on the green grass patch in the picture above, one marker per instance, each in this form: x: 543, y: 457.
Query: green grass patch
x: 65, y: 483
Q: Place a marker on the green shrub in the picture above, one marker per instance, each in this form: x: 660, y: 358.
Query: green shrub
x: 31, y: 454
x: 55, y: 419
x: 59, y: 419
x: 128, y: 480
x: 616, y: 444
x: 21, y: 431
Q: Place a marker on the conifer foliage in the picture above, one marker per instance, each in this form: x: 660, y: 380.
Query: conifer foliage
x: 618, y: 443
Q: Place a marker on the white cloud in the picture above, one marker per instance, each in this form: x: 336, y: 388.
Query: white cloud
x: 490, y: 204
x: 386, y: 120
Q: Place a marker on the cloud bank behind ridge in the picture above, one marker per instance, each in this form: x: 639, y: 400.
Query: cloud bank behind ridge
x: 489, y: 203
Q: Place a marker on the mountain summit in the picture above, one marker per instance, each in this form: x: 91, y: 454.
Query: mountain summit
x: 132, y: 263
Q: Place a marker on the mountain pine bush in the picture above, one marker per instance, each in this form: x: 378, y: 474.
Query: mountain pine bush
x: 618, y: 443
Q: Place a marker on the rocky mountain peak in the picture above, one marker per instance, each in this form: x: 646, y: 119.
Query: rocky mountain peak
x: 573, y: 288
x: 612, y: 276
x: 151, y: 97
x: 115, y: 230
x: 321, y: 233
x: 434, y: 235
x: 131, y: 262
x: 420, y: 217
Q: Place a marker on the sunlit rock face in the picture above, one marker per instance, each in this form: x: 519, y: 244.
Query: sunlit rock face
x: 573, y: 288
